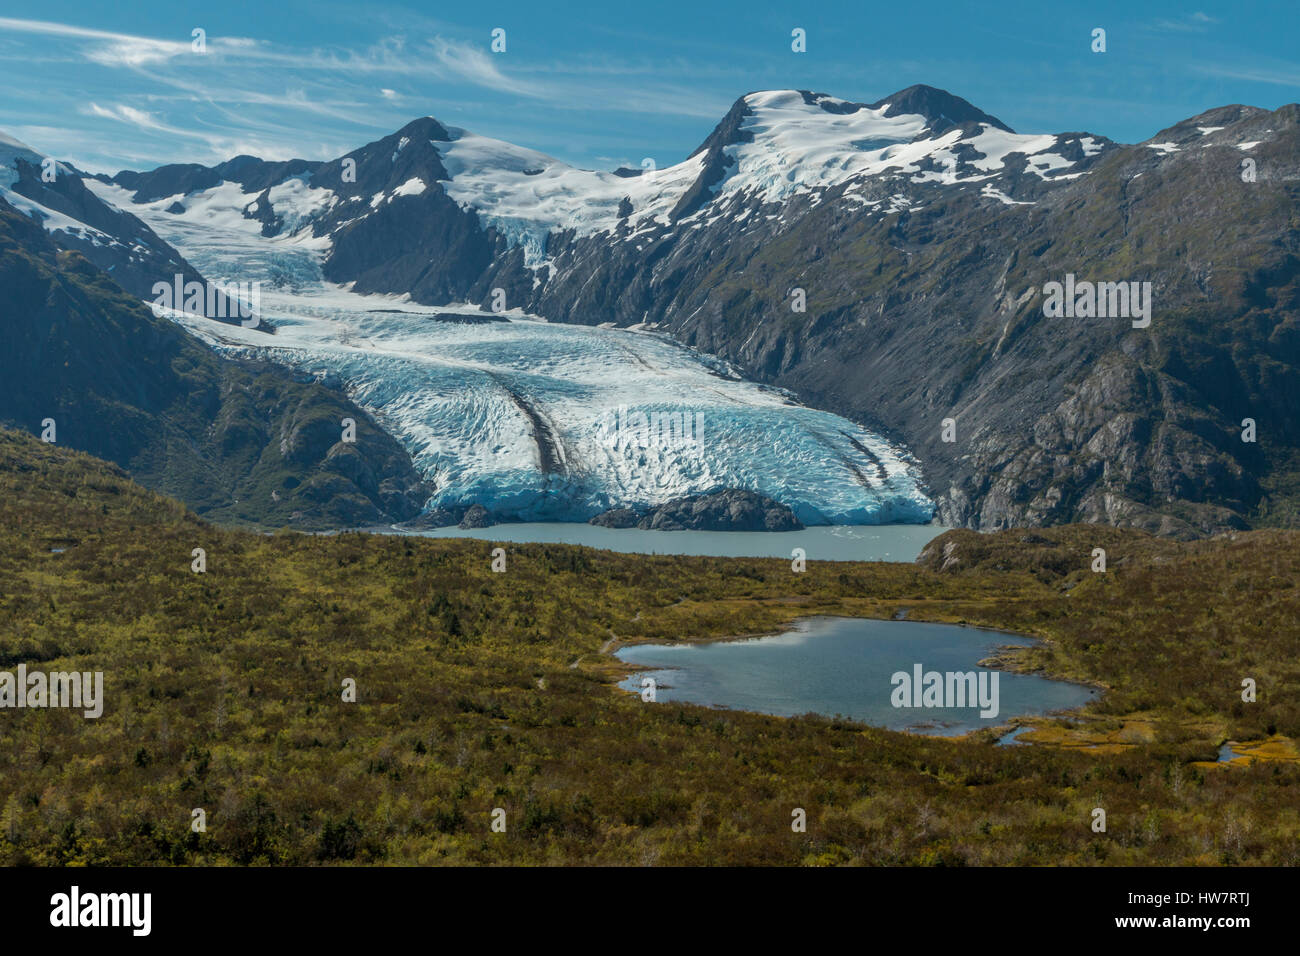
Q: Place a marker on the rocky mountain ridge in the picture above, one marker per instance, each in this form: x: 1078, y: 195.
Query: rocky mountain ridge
x: 917, y: 234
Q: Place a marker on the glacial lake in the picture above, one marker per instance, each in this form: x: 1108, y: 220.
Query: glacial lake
x: 843, y: 667
x: 886, y: 542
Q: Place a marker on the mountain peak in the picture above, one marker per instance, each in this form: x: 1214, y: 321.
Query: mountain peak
x: 939, y: 106
x: 425, y: 126
x: 1213, y: 120
x: 942, y: 109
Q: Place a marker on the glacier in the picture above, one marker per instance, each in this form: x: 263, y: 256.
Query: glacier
x: 536, y: 421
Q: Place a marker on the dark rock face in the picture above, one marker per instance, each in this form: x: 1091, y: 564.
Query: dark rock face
x: 433, y: 518
x: 169, y: 180
x: 236, y: 441
x: 424, y: 244
x: 430, y: 229
x: 476, y: 516
x: 261, y: 210
x: 716, y: 161
x: 135, y: 257
x: 938, y: 313
x: 179, y: 178
x: 940, y: 107
x: 729, y: 510
x: 617, y: 518
x: 468, y: 518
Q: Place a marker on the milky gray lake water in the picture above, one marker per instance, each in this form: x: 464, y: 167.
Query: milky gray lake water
x: 889, y: 542
x: 843, y: 667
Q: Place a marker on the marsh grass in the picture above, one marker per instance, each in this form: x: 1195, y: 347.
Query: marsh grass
x: 479, y: 690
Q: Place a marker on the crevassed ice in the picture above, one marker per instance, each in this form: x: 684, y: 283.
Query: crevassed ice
x: 536, y: 421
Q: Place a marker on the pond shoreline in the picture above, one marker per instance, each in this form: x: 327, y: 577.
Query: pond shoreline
x: 897, y: 542
x: 1003, y: 659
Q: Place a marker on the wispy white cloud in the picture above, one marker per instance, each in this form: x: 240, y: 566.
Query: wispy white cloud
x: 1192, y: 23
x: 137, y: 118
x: 109, y: 48
x: 180, y: 103
x: 294, y: 100
x: 438, y: 58
x: 474, y: 66
x: 1280, y: 75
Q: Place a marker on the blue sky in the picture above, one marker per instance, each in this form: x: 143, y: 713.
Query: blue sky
x: 117, y: 85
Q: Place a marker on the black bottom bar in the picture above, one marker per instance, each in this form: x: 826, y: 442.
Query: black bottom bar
x: 656, y: 906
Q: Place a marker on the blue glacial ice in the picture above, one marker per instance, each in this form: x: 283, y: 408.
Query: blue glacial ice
x: 540, y: 421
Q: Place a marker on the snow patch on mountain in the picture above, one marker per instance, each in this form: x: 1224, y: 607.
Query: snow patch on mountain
x: 297, y: 203
x: 11, y: 152
x: 54, y: 221
x: 989, y: 192
x: 210, y: 217
x: 528, y: 195
x: 795, y: 145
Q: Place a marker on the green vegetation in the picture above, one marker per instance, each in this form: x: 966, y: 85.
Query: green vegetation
x: 479, y: 690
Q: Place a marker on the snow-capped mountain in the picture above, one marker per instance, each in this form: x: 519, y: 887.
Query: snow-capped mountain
x: 921, y: 232
x: 54, y: 194
x: 445, y: 214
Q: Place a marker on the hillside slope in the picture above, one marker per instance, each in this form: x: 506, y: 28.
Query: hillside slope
x: 479, y: 690
x: 237, y: 442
